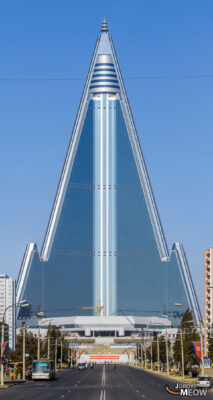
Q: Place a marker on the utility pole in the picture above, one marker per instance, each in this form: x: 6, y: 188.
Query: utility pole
x: 182, y: 353
x: 61, y: 352
x: 201, y: 343
x: 38, y: 349
x: 23, y: 348
x: 56, y: 348
x: 158, y: 354
x: 151, y: 357
x: 167, y: 354
x: 145, y: 357
x: 2, y: 342
x: 141, y: 355
x: 48, y: 344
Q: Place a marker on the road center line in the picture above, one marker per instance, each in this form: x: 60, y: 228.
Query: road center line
x: 103, y: 395
x: 103, y: 377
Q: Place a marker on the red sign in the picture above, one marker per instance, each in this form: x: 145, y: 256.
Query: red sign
x: 3, y: 351
x: 197, y: 348
x: 104, y: 357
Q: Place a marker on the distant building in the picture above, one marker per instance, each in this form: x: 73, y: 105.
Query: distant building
x: 7, y: 298
x: 208, y: 302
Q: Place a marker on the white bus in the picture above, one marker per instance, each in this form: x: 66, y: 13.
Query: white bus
x: 43, y: 370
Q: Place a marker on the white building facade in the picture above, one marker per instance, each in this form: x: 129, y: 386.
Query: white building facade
x: 8, y: 298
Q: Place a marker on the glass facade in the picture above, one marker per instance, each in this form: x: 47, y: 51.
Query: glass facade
x: 146, y: 285
x: 103, y: 233
x: 64, y: 283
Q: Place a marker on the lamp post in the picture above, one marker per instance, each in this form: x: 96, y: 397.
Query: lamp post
x: 151, y: 355
x: 167, y: 354
x: 22, y: 303
x: 201, y: 345
x: 61, y: 352
x: 141, y: 355
x: 23, y: 349
x: 56, y: 348
x: 39, y: 337
x: 182, y: 353
x: 48, y: 345
x: 158, y: 353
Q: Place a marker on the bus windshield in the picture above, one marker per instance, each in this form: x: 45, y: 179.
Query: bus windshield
x: 40, y: 367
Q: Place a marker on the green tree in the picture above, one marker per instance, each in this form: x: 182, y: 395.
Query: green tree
x: 30, y: 348
x: 31, y: 345
x: 54, y: 333
x: 210, y: 349
x: 189, y: 335
x: 162, y: 348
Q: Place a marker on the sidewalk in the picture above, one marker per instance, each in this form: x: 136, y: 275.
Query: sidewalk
x: 11, y: 382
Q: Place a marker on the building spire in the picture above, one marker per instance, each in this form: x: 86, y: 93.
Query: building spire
x: 104, y: 27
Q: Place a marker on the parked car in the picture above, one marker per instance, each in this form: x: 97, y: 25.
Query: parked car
x: 81, y: 366
x: 204, y: 382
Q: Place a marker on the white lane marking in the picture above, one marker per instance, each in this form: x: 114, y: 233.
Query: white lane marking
x: 103, y: 377
x: 103, y: 395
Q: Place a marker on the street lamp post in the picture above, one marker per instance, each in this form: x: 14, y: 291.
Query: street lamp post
x: 24, y: 342
x: 145, y: 358
x: 56, y: 348
x: 167, y: 354
x: 151, y: 356
x: 158, y: 353
x: 39, y: 333
x: 182, y: 352
x: 38, y: 347
x: 2, y: 342
x: 141, y: 355
x: 61, y: 352
x: 48, y: 345
x: 201, y: 345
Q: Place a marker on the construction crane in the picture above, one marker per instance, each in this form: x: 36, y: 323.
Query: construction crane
x: 99, y: 307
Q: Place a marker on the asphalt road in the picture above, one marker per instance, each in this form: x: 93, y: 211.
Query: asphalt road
x: 101, y: 383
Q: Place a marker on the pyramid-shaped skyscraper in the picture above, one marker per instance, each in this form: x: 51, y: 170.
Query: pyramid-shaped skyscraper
x: 104, y: 243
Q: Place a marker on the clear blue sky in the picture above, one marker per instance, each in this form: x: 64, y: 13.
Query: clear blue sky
x: 164, y: 48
